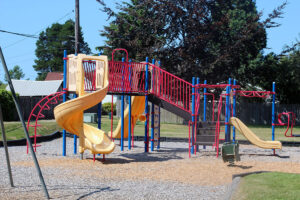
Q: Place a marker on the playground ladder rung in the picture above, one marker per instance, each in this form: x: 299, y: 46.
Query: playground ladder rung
x: 35, y: 125
x: 47, y: 107
x: 53, y: 102
x: 36, y: 145
x: 40, y: 115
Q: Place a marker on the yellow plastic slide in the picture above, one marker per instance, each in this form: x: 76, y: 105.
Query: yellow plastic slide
x: 69, y: 115
x: 242, y: 128
x: 137, y: 109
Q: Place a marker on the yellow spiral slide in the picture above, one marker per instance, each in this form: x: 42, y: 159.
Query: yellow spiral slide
x: 69, y: 115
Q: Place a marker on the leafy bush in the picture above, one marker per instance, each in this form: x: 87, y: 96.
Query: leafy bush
x: 106, y: 108
x: 8, y: 106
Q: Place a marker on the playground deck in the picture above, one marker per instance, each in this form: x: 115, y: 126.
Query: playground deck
x: 166, y: 174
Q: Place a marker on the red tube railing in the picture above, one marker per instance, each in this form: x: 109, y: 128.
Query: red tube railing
x: 126, y: 77
x: 171, y: 88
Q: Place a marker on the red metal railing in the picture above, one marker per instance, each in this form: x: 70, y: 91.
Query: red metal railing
x: 170, y: 88
x: 37, y: 114
x: 126, y: 77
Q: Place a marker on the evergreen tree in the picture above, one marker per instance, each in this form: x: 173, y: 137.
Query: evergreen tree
x: 15, y: 73
x: 52, y: 43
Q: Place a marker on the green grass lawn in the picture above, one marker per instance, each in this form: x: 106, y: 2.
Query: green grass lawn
x: 269, y: 186
x: 14, y: 130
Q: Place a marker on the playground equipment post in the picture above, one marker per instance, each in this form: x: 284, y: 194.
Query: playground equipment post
x: 158, y: 143
x: 273, y: 114
x: 234, y: 109
x: 65, y: 98
x: 75, y: 136
x: 152, y: 113
x: 99, y: 109
x: 129, y: 109
x: 227, y: 113
x: 6, y: 149
x: 193, y: 114
x: 122, y: 109
x: 146, y: 105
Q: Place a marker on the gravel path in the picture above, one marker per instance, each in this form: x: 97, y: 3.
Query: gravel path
x: 164, y: 174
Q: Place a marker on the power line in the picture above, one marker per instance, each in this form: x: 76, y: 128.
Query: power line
x: 34, y: 35
x: 19, y: 34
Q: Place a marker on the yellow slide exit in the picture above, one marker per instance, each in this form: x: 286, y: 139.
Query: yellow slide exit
x: 242, y: 128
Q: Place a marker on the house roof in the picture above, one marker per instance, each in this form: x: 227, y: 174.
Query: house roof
x: 35, y: 88
x: 54, y: 76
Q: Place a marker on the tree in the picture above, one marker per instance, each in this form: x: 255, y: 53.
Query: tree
x: 133, y: 29
x: 15, y: 73
x: 210, y: 39
x: 282, y: 69
x: 50, y: 46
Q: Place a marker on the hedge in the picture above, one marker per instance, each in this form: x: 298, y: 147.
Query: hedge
x: 8, y: 106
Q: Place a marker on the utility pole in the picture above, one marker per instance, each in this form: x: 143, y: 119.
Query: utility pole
x: 76, y: 26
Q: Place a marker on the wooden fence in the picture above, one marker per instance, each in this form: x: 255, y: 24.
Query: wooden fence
x: 249, y: 113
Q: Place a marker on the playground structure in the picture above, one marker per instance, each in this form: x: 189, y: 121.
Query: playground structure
x: 141, y: 83
x: 183, y: 100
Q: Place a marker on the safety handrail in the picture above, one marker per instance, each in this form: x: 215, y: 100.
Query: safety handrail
x: 42, y: 105
x: 291, y: 118
x: 171, y: 88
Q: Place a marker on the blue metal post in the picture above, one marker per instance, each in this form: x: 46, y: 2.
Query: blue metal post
x: 234, y: 110
x: 99, y: 108
x: 146, y: 106
x: 65, y: 98
x: 227, y: 113
x: 75, y: 136
x: 158, y: 142
x: 204, y: 101
x: 204, y: 105
x: 152, y: 113
x: 198, y: 113
x: 129, y: 109
x: 193, y: 113
x: 122, y: 111
x: 273, y: 112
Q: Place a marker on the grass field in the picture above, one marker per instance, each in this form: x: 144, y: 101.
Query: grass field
x: 14, y: 130
x: 269, y: 186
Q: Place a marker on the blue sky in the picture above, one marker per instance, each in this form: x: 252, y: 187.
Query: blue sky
x: 33, y: 16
